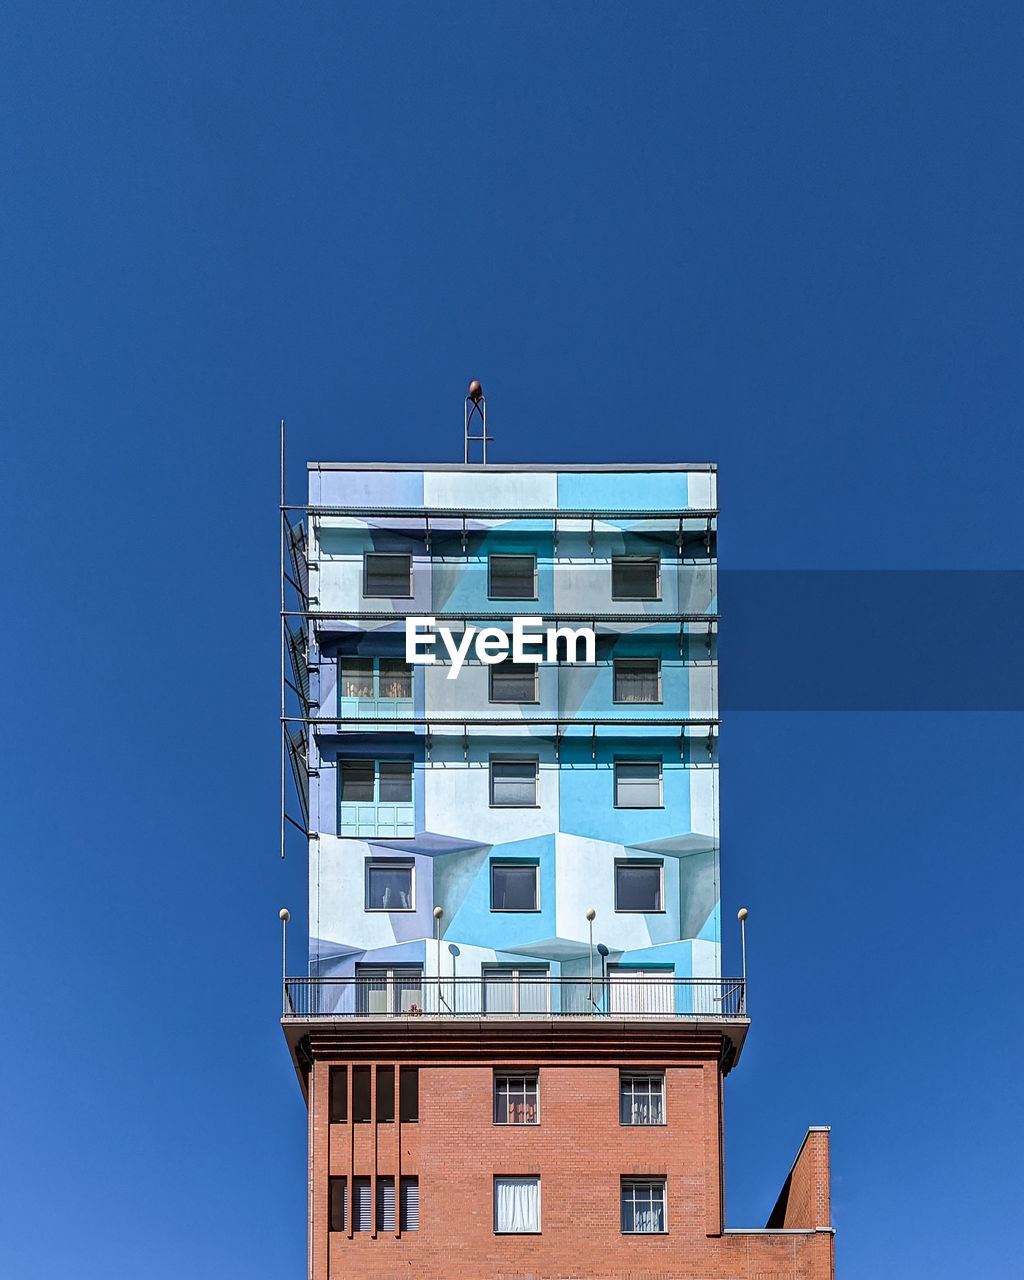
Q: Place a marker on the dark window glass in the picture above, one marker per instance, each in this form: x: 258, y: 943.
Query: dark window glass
x: 387, y: 575
x: 638, y: 784
x: 395, y: 781
x: 641, y: 1098
x: 515, y: 1099
x: 362, y: 1218
x: 636, y: 577
x: 357, y: 677
x: 638, y: 887
x: 409, y: 1191
x: 339, y: 1095
x: 512, y: 577
x: 385, y: 1095
x: 357, y: 781
x: 409, y: 1095
x: 513, y: 783
x: 395, y: 678
x: 339, y: 1204
x: 513, y: 888
x: 637, y: 680
x: 514, y: 682
x: 361, y: 1095
x: 643, y: 1205
x: 388, y: 887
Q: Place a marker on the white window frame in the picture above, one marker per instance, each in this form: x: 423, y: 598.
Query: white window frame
x: 636, y: 864
x: 626, y: 1080
x: 517, y: 1177
x: 634, y: 662
x: 526, y: 1077
x: 510, y: 555
x: 628, y: 760
x: 393, y: 986
x: 500, y: 864
x: 513, y: 702
x: 659, y: 1182
x: 510, y: 759
x: 390, y: 864
x: 385, y: 555
x: 531, y: 977
x: 654, y: 556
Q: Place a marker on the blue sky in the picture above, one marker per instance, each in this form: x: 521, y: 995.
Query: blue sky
x: 785, y: 237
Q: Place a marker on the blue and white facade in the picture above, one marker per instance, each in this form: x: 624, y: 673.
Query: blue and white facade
x: 515, y: 800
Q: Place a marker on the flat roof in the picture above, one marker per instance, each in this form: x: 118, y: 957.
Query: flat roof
x: 512, y: 466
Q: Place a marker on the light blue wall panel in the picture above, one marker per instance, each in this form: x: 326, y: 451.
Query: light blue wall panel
x: 622, y: 490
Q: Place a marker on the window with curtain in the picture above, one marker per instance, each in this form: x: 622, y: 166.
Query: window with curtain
x: 517, y: 1204
x: 514, y: 681
x: 387, y: 575
x: 639, y: 886
x: 388, y: 885
x: 636, y: 577
x: 642, y: 1098
x: 643, y: 1205
x: 637, y: 680
x: 513, y: 783
x: 512, y: 577
x: 388, y: 991
x: 512, y: 989
x: 386, y: 678
x: 515, y: 1099
x: 514, y: 888
x: 638, y: 784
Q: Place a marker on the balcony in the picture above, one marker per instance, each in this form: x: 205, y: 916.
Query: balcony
x: 412, y: 995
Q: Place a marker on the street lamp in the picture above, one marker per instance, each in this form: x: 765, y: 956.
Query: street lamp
x: 284, y: 915
x: 591, y: 917
x: 741, y: 916
x: 438, y: 913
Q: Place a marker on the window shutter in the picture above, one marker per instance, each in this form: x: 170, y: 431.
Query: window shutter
x: 410, y: 1205
x: 361, y: 1204
x: 385, y: 1204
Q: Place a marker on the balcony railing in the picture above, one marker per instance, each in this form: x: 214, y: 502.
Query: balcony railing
x: 413, y: 995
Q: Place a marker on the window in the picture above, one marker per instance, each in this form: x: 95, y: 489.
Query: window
x: 338, y: 1192
x: 636, y: 577
x: 387, y: 575
x: 361, y: 1095
x: 637, y: 680
x: 385, y: 1204
x: 514, y: 682
x: 517, y: 1204
x: 385, y: 1095
x: 409, y: 1204
x: 408, y: 1095
x: 646, y: 991
x: 641, y: 1097
x: 339, y: 1095
x: 515, y: 1099
x: 375, y: 799
x: 513, y: 784
x: 387, y: 991
x: 638, y: 784
x: 512, y: 577
x: 389, y: 885
x: 377, y: 678
x: 514, y: 887
x: 643, y: 1205
x: 362, y: 1219
x: 639, y: 886
x: 516, y: 989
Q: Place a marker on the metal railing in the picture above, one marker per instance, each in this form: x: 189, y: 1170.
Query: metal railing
x: 413, y: 995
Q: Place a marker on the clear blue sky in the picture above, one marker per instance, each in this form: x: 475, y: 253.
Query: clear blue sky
x: 786, y: 237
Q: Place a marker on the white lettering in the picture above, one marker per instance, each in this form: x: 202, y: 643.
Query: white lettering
x: 572, y: 640
x: 414, y: 641
x: 521, y: 639
x: 491, y: 645
x: 457, y: 651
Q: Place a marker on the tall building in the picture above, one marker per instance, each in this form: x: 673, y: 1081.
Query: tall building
x: 514, y: 1030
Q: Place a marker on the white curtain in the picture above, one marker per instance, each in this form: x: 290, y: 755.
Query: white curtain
x: 517, y: 1204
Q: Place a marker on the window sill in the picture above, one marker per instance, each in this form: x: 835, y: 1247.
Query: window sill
x: 515, y: 911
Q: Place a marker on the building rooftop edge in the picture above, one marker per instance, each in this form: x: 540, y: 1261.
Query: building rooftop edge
x: 511, y: 466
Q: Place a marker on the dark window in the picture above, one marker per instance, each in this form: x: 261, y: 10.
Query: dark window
x: 638, y: 886
x: 362, y: 1206
x: 643, y: 1205
x: 385, y: 1095
x: 376, y: 781
x: 356, y: 677
x: 514, y: 682
x: 385, y: 1204
x: 395, y: 781
x: 636, y: 577
x: 514, y: 888
x: 637, y: 680
x: 357, y: 781
x: 339, y: 1204
x: 389, y: 886
x: 513, y: 783
x: 409, y: 1207
x: 642, y: 1098
x: 512, y: 577
x: 515, y: 1099
x: 638, y: 784
x: 409, y: 1095
x: 339, y: 1095
x: 394, y: 678
x: 361, y: 1095
x: 374, y: 678
x: 387, y: 575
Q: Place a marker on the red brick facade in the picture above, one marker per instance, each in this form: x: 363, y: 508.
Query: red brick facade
x: 578, y: 1149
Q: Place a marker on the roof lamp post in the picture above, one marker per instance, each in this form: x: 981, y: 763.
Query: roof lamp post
x: 591, y: 916
x: 284, y: 915
x: 741, y: 916
x: 438, y: 913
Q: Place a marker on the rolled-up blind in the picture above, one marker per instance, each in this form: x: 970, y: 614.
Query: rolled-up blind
x: 385, y: 1204
x: 410, y: 1204
x: 362, y: 1208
